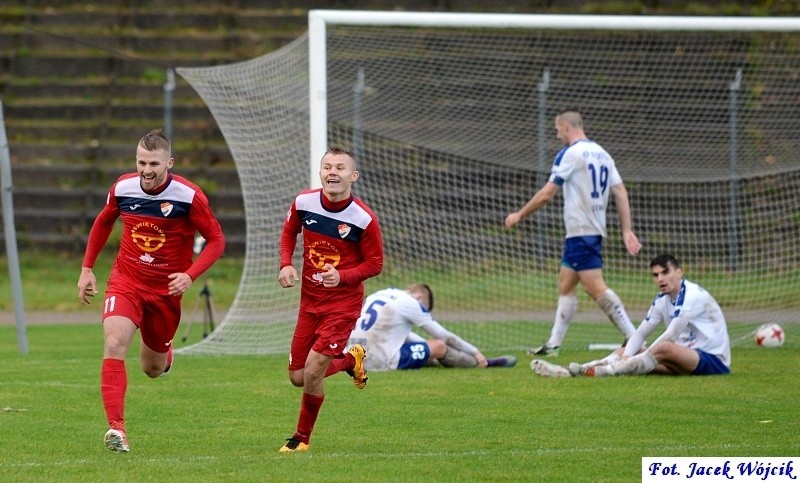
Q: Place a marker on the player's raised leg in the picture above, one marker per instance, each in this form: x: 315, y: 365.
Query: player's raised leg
x: 358, y: 373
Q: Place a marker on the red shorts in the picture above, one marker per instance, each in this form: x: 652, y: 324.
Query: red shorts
x: 156, y: 316
x: 325, y: 333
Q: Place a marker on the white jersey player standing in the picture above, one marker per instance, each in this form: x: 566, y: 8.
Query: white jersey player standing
x: 587, y: 174
x: 385, y: 330
x: 695, y: 341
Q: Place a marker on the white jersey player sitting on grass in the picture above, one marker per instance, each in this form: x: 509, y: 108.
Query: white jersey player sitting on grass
x: 695, y: 341
x: 385, y: 327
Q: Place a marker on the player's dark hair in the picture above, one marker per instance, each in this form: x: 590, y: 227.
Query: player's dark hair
x: 155, y: 140
x: 665, y: 260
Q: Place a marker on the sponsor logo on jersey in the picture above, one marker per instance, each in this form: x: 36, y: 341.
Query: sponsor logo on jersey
x: 322, y: 252
x: 148, y: 237
x: 135, y: 207
x: 310, y: 222
x: 146, y: 258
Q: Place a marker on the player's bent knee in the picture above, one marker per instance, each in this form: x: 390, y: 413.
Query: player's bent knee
x: 152, y: 371
x: 438, y: 348
x: 296, y: 379
x: 666, y: 351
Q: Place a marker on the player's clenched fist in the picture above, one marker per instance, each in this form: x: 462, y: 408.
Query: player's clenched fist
x: 288, y: 276
x: 330, y: 277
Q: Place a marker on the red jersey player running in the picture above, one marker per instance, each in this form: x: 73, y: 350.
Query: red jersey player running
x: 153, y: 269
x: 342, y: 248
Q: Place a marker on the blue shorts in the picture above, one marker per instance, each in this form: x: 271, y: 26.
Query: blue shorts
x: 413, y: 355
x: 583, y: 253
x: 709, y: 365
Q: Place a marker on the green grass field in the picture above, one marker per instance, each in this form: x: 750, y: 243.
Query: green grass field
x: 224, y: 418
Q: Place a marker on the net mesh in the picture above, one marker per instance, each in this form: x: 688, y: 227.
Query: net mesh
x: 453, y: 129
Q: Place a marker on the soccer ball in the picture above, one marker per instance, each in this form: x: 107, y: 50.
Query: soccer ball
x: 770, y: 335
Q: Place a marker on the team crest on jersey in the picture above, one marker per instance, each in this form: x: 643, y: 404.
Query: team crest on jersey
x: 344, y: 230
x: 166, y: 208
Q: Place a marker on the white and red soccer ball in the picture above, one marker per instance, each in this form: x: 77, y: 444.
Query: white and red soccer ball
x: 770, y: 335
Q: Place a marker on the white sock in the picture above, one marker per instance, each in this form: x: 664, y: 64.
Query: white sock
x: 609, y: 359
x: 612, y: 306
x: 567, y: 306
x: 643, y: 363
x: 456, y: 358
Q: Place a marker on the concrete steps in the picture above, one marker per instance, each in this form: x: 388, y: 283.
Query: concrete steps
x: 106, y: 61
x: 81, y: 81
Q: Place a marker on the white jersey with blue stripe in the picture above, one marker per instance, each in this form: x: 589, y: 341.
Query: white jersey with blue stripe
x: 585, y: 172
x: 387, y: 319
x: 694, y: 320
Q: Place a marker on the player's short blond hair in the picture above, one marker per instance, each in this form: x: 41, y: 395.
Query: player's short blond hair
x: 337, y: 150
x: 571, y: 117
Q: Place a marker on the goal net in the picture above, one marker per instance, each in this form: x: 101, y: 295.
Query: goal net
x: 451, y: 117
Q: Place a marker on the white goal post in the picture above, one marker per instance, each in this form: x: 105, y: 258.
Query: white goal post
x: 450, y: 116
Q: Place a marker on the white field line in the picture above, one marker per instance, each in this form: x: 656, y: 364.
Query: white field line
x: 381, y: 456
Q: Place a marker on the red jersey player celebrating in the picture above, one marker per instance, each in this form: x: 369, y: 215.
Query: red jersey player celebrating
x: 342, y: 248
x: 160, y: 214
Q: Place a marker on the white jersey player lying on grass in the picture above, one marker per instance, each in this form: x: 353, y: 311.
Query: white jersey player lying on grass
x: 695, y: 341
x: 385, y: 330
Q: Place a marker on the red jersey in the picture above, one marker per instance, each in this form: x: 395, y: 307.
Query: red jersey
x: 345, y: 234
x: 158, y: 231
